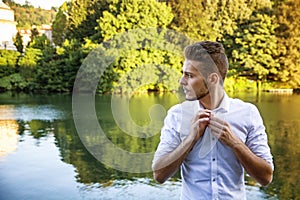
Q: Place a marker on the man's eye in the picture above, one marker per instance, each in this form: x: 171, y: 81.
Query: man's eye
x: 189, y: 76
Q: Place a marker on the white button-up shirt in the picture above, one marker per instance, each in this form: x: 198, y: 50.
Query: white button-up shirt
x: 211, y: 170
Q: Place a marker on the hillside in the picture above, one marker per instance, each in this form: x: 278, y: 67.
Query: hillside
x: 26, y: 15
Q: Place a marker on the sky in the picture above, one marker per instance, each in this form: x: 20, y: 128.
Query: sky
x: 45, y: 4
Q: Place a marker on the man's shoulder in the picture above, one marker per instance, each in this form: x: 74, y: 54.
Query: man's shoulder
x: 240, y: 102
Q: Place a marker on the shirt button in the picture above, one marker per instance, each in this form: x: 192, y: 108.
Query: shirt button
x: 213, y: 159
x: 214, y: 179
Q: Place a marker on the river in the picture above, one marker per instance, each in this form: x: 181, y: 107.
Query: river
x: 47, y: 153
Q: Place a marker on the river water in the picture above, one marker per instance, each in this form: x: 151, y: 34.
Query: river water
x: 46, y: 153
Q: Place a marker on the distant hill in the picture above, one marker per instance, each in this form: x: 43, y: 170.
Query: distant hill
x: 26, y: 15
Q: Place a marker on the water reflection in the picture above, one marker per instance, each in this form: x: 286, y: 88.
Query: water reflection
x: 30, y: 112
x: 50, y: 161
x: 8, y: 136
x: 285, y: 143
x: 282, y: 119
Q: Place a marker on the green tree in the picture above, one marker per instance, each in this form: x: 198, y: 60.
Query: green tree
x: 253, y: 49
x: 13, y: 82
x: 9, y: 2
x: 82, y: 16
x: 34, y: 33
x: 40, y: 42
x: 34, y: 56
x: 211, y: 20
x: 28, y: 4
x: 143, y: 24
x: 19, y: 42
x: 29, y: 62
x: 59, y: 24
x: 191, y: 18
x: 58, y: 67
x: 9, y: 78
x: 288, y: 33
x: 133, y: 14
x: 8, y: 62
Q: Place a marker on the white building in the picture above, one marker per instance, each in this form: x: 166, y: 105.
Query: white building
x: 8, y: 28
x: 44, y: 29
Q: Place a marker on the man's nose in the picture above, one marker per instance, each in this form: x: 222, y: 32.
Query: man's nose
x: 182, y: 81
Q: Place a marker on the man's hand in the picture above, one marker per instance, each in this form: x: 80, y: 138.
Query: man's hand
x: 255, y: 166
x: 222, y: 131
x: 199, y: 123
x: 167, y: 165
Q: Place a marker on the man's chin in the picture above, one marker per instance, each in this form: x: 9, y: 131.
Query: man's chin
x: 190, y: 98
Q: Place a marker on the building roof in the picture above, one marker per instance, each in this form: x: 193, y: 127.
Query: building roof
x: 3, y: 5
x: 4, y: 21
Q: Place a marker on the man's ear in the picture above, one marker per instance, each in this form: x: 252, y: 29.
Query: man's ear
x: 213, y: 78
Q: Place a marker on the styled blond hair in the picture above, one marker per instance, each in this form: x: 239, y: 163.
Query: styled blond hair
x: 211, y: 55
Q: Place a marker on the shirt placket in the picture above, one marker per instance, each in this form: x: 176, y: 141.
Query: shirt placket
x: 214, y: 161
x: 214, y: 171
x: 214, y: 168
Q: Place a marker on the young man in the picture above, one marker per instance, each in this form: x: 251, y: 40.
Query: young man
x: 212, y: 137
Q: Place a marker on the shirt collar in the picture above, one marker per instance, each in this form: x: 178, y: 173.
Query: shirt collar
x: 224, y: 105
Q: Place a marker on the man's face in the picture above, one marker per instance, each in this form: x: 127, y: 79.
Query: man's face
x: 192, y: 81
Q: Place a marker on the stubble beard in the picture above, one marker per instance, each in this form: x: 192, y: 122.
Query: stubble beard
x: 197, y: 97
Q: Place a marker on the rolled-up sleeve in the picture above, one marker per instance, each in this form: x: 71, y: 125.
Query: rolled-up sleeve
x: 170, y: 137
x: 257, y: 139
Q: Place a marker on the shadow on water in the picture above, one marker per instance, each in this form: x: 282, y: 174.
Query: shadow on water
x: 42, y: 154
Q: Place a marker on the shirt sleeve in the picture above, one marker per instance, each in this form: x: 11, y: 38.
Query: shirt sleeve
x: 257, y: 139
x: 170, y: 137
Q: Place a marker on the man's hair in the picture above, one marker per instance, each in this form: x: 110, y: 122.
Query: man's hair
x: 211, y: 55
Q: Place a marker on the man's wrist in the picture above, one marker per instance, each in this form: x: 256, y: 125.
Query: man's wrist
x: 237, y: 145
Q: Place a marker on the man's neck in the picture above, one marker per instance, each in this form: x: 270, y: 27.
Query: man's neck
x: 212, y: 100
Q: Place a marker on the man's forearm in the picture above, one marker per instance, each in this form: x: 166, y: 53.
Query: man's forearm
x: 255, y: 166
x: 167, y: 165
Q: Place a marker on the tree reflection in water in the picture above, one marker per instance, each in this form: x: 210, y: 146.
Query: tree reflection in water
x: 96, y: 179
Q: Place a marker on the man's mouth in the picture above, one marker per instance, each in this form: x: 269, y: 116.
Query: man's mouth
x: 186, y: 90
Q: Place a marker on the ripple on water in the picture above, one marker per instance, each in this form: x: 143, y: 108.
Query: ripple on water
x: 29, y: 112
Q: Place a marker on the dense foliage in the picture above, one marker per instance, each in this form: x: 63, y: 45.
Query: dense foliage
x: 288, y: 34
x: 135, y: 45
